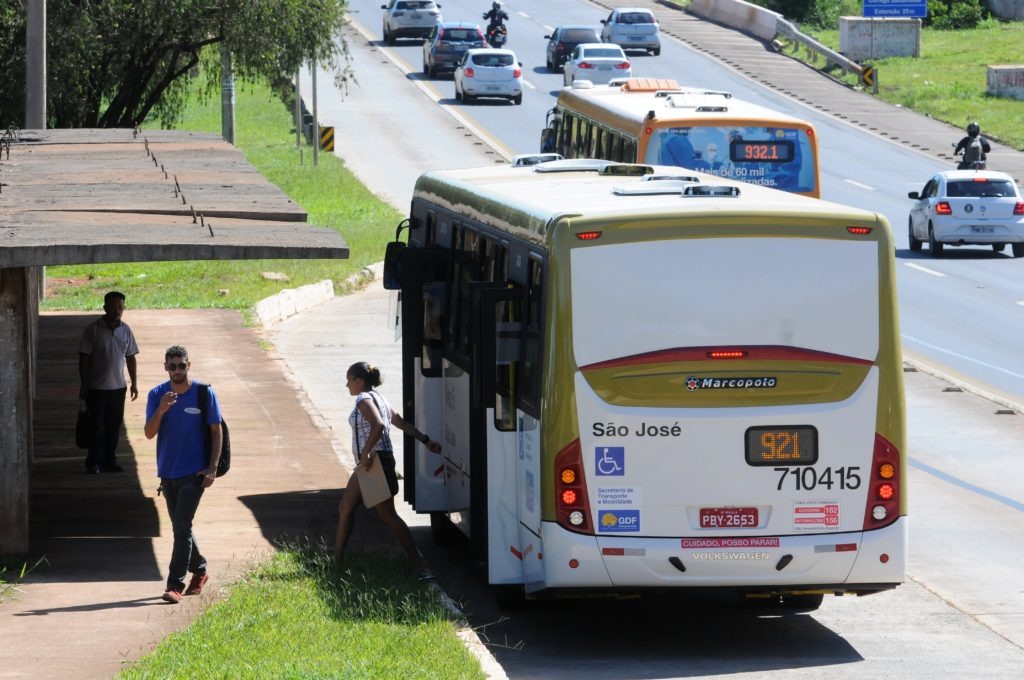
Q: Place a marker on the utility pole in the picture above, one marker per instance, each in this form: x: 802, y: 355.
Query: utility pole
x: 227, y: 96
x: 298, y: 111
x: 316, y: 120
x: 35, y: 66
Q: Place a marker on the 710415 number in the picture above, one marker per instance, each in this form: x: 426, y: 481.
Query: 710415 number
x: 809, y: 478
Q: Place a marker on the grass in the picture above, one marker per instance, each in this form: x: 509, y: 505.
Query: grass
x: 329, y: 193
x: 299, y: 616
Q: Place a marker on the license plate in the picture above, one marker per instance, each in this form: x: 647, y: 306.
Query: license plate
x: 604, y: 68
x: 979, y: 229
x: 728, y: 518
x: 492, y: 88
x: 415, y: 15
x: 636, y: 37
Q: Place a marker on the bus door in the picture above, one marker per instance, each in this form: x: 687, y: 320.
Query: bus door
x: 424, y: 273
x: 494, y: 504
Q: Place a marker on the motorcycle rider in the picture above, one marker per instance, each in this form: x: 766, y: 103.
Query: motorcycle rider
x: 974, y: 147
x: 496, y: 17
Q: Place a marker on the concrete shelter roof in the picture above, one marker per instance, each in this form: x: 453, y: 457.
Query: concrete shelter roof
x: 87, y: 196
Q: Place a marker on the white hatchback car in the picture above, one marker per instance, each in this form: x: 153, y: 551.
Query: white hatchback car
x: 489, y: 73
x: 409, y: 19
x: 634, y: 28
x: 596, y: 62
x: 967, y: 207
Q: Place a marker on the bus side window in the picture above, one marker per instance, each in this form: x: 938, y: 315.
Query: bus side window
x: 508, y: 338
x: 495, y: 261
x: 434, y: 296
x: 529, y: 370
x: 431, y: 231
x: 465, y: 269
x: 615, y: 148
x: 629, y: 151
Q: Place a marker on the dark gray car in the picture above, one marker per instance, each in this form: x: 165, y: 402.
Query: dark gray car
x: 447, y: 43
x: 563, y: 40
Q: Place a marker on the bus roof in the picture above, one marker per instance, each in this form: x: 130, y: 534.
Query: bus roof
x: 528, y: 201
x: 633, y: 102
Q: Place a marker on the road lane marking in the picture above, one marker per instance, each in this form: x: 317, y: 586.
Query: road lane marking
x: 956, y: 481
x: 1020, y: 302
x: 529, y: 84
x: 523, y: 14
x: 922, y: 268
x: 858, y: 184
x: 964, y: 357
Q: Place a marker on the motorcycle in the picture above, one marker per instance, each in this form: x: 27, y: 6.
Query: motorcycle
x: 497, y: 36
x: 969, y: 165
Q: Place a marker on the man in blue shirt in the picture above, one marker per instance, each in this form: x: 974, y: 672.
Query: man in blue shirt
x: 174, y: 417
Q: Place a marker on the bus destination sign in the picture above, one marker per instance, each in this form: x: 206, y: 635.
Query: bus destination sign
x: 785, y: 445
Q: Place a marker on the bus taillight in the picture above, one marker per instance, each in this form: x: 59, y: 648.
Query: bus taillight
x: 883, y: 503
x: 572, y: 507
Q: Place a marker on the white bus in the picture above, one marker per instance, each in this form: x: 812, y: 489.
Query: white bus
x: 646, y: 380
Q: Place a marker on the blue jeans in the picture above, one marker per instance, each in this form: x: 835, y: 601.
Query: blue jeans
x: 183, y: 495
x: 107, y: 409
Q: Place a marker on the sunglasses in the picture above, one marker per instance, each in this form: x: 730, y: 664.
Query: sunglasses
x: 177, y: 367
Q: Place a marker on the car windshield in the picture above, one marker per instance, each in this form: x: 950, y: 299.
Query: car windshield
x: 414, y: 4
x: 460, y: 34
x: 579, y: 35
x: 635, y: 18
x: 596, y: 52
x: 493, y: 60
x: 970, y: 188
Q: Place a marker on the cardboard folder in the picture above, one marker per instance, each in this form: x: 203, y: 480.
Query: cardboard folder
x: 373, y: 484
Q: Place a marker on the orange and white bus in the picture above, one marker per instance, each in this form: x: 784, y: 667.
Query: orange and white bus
x: 655, y: 121
x: 644, y: 379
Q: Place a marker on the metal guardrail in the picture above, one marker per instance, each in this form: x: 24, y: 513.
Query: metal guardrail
x: 789, y: 31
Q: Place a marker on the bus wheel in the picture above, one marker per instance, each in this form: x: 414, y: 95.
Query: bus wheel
x: 442, y: 530
x: 510, y: 598
x: 915, y: 243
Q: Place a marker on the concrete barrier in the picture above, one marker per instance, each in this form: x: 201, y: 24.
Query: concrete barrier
x: 1006, y: 80
x: 1012, y: 10
x: 863, y: 39
x: 738, y: 14
x: 291, y: 301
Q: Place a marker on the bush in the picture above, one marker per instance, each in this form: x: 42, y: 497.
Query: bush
x: 955, y: 14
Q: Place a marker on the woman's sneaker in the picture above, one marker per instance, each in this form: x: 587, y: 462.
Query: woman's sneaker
x: 195, y: 586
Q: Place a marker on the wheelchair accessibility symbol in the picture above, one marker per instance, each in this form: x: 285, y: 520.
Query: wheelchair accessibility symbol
x: 610, y: 461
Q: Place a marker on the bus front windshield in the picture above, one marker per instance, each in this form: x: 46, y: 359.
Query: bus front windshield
x: 780, y: 158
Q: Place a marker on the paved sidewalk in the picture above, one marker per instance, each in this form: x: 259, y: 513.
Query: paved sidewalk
x: 95, y: 601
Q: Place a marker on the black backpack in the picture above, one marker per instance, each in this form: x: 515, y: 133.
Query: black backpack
x: 974, y: 151
x: 224, y: 464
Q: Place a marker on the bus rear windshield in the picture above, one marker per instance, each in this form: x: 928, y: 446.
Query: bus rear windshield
x: 780, y: 158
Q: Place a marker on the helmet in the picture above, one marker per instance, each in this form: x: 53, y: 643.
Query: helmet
x: 496, y: 5
x: 973, y: 129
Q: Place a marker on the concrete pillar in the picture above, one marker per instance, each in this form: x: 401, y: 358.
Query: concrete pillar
x: 35, y: 66
x: 17, y: 307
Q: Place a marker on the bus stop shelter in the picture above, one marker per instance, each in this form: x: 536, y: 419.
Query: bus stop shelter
x: 96, y: 196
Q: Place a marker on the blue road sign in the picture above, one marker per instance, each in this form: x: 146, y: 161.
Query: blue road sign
x: 900, y: 9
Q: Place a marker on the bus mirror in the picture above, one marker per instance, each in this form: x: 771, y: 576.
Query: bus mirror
x: 393, y: 265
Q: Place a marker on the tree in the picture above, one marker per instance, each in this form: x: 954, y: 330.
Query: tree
x: 113, y: 63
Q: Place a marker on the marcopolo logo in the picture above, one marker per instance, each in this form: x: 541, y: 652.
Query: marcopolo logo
x: 619, y: 520
x: 694, y: 383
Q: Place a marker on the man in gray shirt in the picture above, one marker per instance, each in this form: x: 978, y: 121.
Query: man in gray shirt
x: 107, y: 347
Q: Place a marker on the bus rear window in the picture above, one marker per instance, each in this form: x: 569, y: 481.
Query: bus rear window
x: 780, y: 158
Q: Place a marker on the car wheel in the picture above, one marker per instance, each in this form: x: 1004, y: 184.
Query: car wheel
x: 1018, y: 249
x: 518, y: 99
x: 998, y: 247
x: 426, y: 69
x: 458, y: 93
x: 915, y: 243
x: 389, y: 38
x: 656, y: 51
x: 432, y: 72
x: 934, y: 247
